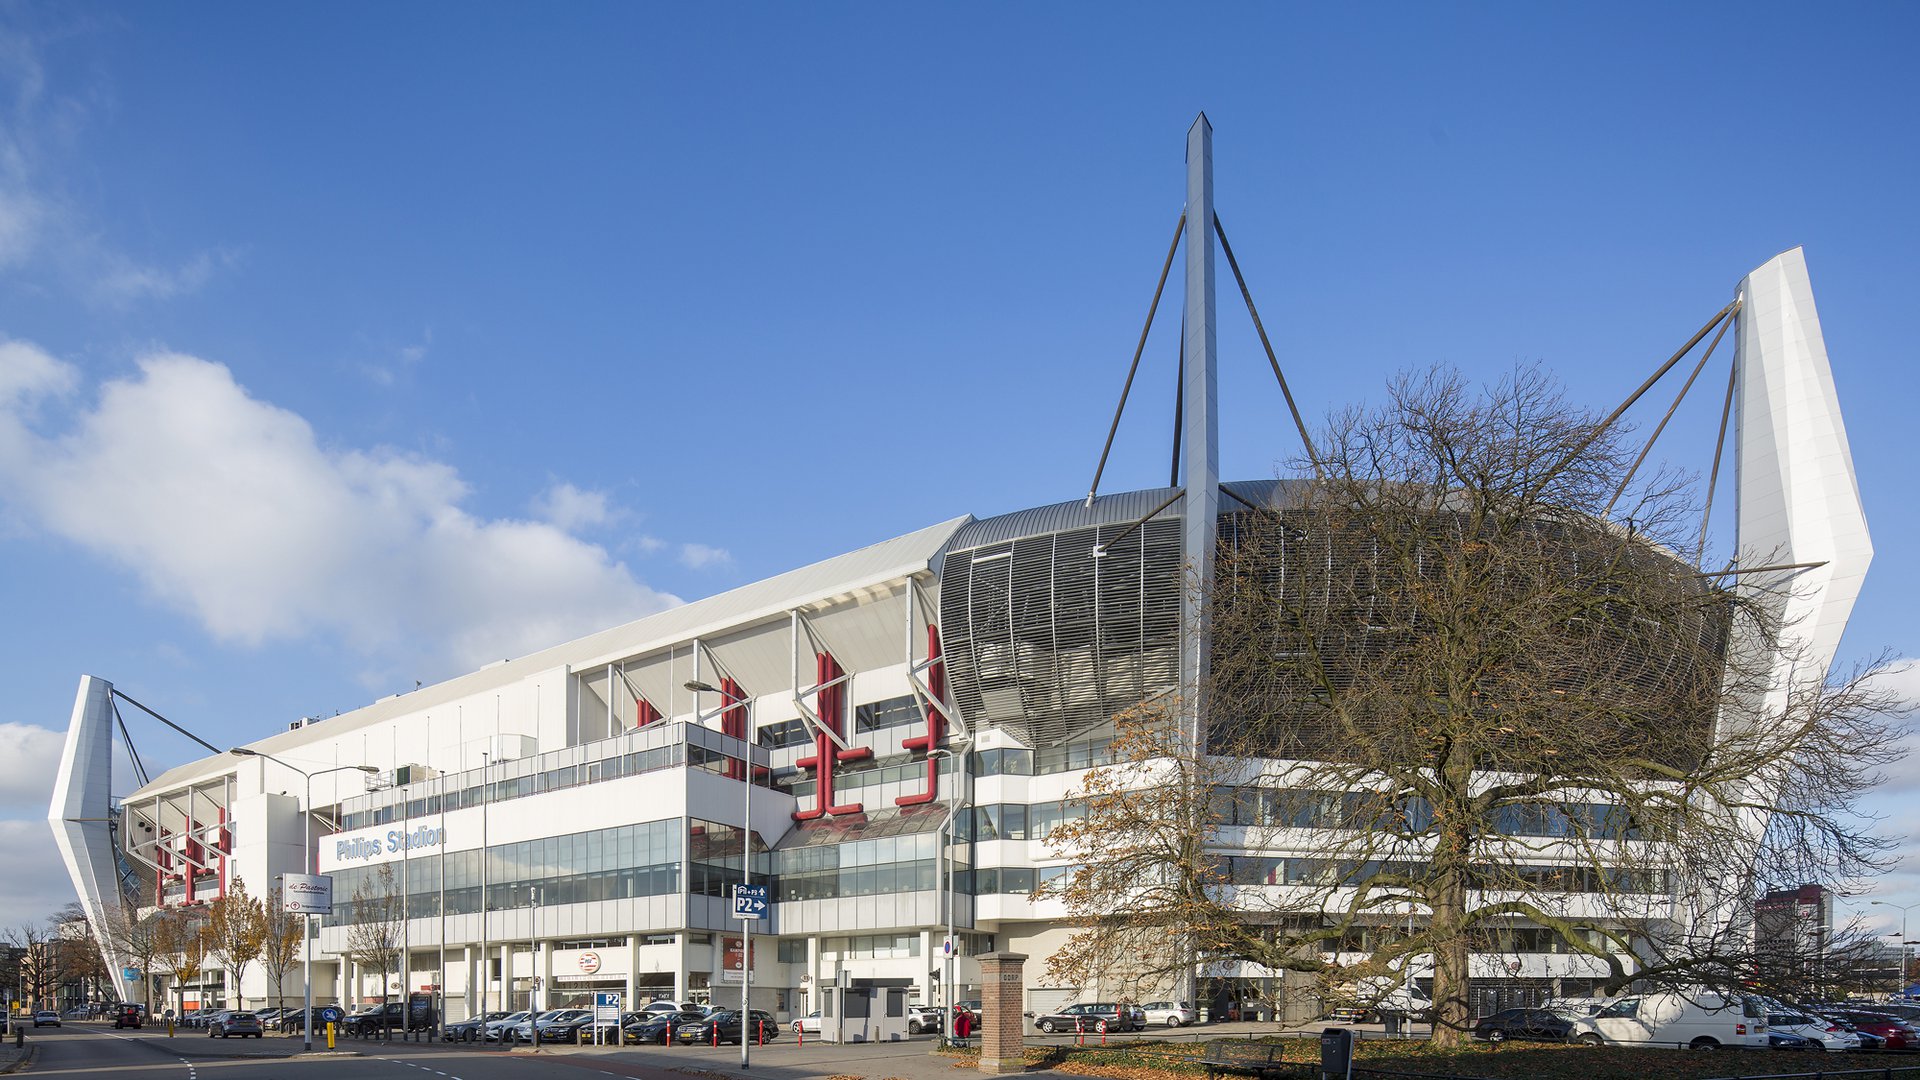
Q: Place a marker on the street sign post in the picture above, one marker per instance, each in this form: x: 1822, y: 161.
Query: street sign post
x: 750, y: 902
x: 606, y: 1014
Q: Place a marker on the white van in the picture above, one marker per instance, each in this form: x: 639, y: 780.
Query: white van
x: 1699, y: 1020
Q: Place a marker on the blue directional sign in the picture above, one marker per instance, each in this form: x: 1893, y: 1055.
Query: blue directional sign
x: 749, y: 901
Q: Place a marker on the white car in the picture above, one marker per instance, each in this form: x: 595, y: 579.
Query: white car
x: 808, y: 1024
x: 1170, y: 1013
x: 1821, y: 1032
x: 1700, y: 1020
x: 497, y: 1030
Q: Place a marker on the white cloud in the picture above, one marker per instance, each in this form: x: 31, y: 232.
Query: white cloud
x: 567, y: 507
x: 29, y: 754
x: 36, y: 883
x: 120, y: 280
x: 230, y: 509
x: 700, y: 556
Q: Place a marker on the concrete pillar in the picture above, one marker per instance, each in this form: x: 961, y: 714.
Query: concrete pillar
x: 1002, y: 1001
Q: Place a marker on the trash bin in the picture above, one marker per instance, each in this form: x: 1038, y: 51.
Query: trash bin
x: 1395, y: 1023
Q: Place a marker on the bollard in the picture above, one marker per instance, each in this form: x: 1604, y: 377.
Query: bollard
x: 19, y: 1036
x: 716, y: 1033
x: 329, y: 1034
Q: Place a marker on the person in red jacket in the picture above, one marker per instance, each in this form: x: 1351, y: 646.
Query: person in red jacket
x: 962, y: 1024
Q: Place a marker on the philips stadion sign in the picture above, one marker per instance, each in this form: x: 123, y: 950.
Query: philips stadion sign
x: 378, y: 846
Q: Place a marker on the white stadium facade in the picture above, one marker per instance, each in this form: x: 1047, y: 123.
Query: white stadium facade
x: 918, y: 714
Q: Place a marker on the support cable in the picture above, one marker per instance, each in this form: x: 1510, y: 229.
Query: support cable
x: 1731, y: 571
x: 1179, y: 405
x: 139, y: 767
x: 1313, y: 457
x: 1160, y: 286
x: 168, y: 722
x: 1719, y: 446
x: 1600, y: 428
x: 1100, y: 549
x: 1671, y: 409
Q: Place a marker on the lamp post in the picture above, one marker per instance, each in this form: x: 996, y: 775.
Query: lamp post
x: 1901, y: 986
x: 951, y: 965
x: 309, y: 861
x: 746, y: 850
x: 534, y: 897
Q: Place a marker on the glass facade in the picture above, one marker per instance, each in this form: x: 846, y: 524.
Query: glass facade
x: 601, y: 864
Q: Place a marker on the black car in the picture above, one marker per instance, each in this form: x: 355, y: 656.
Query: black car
x: 415, y: 1015
x: 649, y: 1028
x: 1101, y: 1016
x: 724, y: 1026
x: 472, y: 1029
x: 296, y: 1019
x: 1536, y: 1024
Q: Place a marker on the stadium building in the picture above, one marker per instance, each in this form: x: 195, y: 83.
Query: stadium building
x: 898, y: 727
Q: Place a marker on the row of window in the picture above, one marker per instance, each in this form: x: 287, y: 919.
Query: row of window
x: 1067, y: 757
x: 633, y: 764
x: 873, y: 716
x: 1301, y: 808
x: 1277, y: 870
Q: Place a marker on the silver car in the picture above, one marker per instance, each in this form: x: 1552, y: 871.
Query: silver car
x: 1170, y: 1013
x: 227, y: 1025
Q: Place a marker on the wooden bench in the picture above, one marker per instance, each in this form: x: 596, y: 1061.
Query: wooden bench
x: 1244, y: 1058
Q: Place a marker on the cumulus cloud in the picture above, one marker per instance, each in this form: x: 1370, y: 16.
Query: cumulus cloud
x: 36, y: 883
x: 29, y: 754
x: 700, y: 556
x: 232, y: 510
x: 567, y: 507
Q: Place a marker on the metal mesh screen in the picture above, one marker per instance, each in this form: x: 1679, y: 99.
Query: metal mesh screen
x: 1046, y: 640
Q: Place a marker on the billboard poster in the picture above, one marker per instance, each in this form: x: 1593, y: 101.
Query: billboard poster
x: 306, y: 894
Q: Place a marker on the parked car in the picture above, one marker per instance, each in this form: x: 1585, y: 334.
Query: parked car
x: 206, y: 1018
x: 1091, y: 1016
x: 1893, y: 1034
x: 46, y: 1016
x: 415, y: 1015
x: 1824, y: 1034
x: 1701, y: 1020
x: 555, y: 1025
x: 1780, y: 1040
x: 1170, y: 1013
x: 237, y: 1022
x: 497, y: 1030
x: 651, y: 1028
x: 1541, y: 1025
x: 724, y: 1025
x: 808, y: 1024
x: 472, y: 1029
x: 923, y: 1019
x: 296, y: 1019
x: 663, y: 1007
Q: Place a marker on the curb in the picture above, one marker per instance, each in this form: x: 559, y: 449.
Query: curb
x: 26, y: 1059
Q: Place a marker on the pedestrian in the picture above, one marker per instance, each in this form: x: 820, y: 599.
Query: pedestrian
x: 962, y: 1024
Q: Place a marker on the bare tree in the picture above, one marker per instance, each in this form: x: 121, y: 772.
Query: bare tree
x: 137, y: 940
x: 180, y: 944
x: 1451, y: 701
x: 235, y: 933
x: 79, y: 954
x: 282, y: 934
x: 375, y: 934
x: 39, y: 962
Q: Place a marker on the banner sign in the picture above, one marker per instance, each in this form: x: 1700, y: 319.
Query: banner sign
x: 306, y: 894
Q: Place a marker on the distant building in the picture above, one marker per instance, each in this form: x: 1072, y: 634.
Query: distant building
x: 1793, y: 931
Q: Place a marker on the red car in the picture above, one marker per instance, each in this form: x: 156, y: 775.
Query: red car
x: 1897, y: 1034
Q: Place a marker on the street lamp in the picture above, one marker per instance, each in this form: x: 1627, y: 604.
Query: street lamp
x: 1901, y: 988
x: 746, y: 849
x: 952, y: 957
x: 310, y: 862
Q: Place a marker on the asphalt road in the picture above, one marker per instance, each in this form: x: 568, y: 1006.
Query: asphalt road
x: 83, y: 1051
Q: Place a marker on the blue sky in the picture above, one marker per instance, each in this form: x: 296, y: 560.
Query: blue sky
x: 318, y: 317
